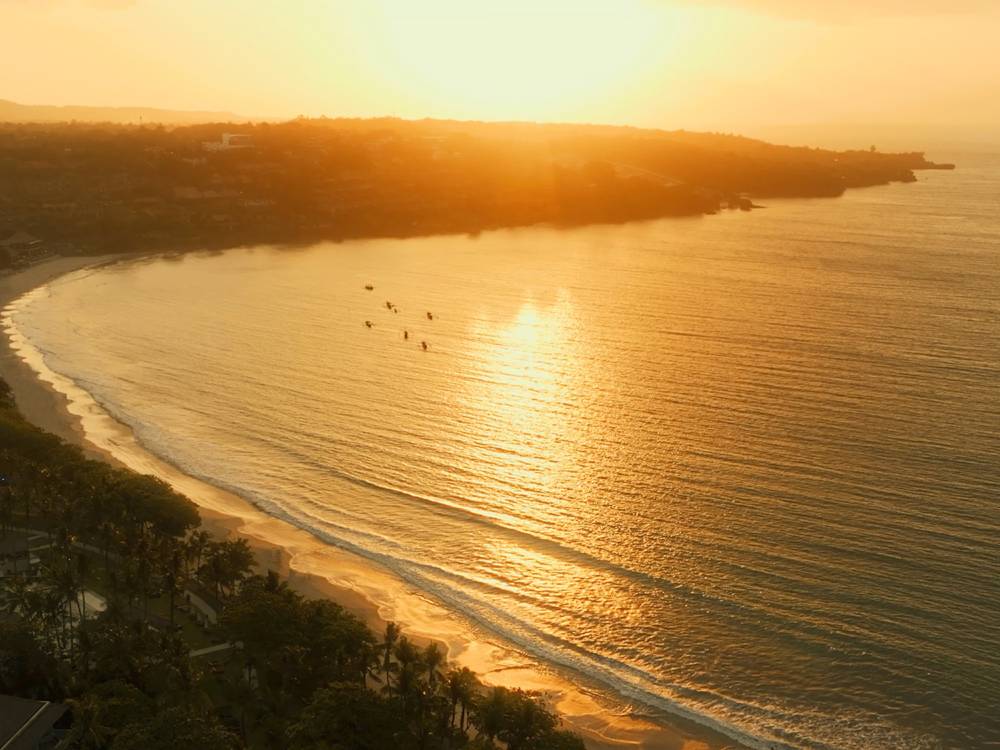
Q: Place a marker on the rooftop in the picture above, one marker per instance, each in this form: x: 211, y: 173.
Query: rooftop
x: 25, y: 723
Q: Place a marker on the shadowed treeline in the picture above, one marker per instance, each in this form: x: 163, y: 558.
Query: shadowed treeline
x: 84, y: 188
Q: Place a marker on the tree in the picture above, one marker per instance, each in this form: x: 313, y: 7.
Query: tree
x: 388, y: 645
x: 197, y: 543
x: 263, y: 617
x: 561, y: 740
x: 462, y: 687
x: 526, y: 722
x: 489, y: 713
x: 27, y: 668
x: 40, y: 603
x: 433, y: 660
x: 104, y: 711
x: 305, y: 661
x: 59, y: 579
x: 82, y: 573
x: 335, y: 645
x: 125, y: 649
x: 348, y: 716
x: 521, y: 722
x: 408, y: 683
x: 174, y: 728
x: 228, y: 563
x: 6, y: 396
x: 171, y: 562
x: 152, y: 507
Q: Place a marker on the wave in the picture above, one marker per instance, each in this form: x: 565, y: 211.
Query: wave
x: 751, y: 492
x: 725, y: 716
x: 152, y: 439
x: 530, y: 641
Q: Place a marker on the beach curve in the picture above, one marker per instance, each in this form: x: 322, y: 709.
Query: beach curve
x: 55, y: 403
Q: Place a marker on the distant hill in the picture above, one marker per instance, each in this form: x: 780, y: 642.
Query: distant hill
x: 954, y: 137
x: 94, y: 188
x: 14, y: 112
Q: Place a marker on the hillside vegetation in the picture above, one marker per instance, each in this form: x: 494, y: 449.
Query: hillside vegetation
x: 84, y: 188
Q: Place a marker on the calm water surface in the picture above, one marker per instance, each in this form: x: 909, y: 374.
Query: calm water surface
x: 744, y: 467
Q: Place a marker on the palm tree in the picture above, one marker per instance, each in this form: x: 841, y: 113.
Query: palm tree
x: 62, y: 589
x: 90, y: 730
x: 228, y: 564
x: 196, y: 545
x: 144, y: 580
x: 433, y: 658
x: 388, y: 644
x: 368, y: 661
x: 409, y: 686
x: 82, y: 570
x: 173, y: 573
x: 526, y: 722
x: 489, y: 714
x: 6, y: 491
x: 462, y: 689
x: 18, y: 597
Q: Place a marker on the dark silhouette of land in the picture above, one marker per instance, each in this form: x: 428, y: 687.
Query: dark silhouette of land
x: 77, y: 188
x: 39, y: 113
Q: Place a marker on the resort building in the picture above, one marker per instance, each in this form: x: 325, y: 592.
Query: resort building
x: 31, y: 725
x: 229, y: 142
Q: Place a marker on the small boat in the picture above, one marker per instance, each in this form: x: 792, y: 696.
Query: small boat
x: 424, y: 346
x: 430, y: 316
x: 369, y: 287
x: 368, y: 324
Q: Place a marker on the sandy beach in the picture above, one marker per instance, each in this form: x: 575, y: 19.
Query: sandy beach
x: 312, y: 567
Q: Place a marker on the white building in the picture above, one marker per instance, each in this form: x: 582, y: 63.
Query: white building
x: 229, y: 142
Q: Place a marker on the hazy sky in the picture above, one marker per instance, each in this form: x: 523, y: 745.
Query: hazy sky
x: 699, y: 64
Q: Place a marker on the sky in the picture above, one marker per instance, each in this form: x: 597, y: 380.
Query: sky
x: 723, y: 65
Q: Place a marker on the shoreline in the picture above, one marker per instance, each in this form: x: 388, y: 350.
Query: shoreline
x: 311, y: 566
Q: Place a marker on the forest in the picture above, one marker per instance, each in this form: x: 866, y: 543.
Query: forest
x: 114, y: 602
x: 83, y: 188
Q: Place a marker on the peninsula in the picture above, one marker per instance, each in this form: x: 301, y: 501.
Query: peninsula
x: 84, y: 188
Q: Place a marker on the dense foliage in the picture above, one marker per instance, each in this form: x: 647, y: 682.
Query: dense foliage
x: 294, y: 673
x: 113, y: 187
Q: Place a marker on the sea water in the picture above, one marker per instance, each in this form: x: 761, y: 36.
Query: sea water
x: 742, y: 468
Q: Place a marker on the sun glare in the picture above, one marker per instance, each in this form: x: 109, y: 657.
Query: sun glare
x: 522, y: 59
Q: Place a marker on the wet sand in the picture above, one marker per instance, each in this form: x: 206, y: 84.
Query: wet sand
x: 312, y: 567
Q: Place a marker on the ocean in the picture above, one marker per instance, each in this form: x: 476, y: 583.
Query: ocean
x: 742, y: 469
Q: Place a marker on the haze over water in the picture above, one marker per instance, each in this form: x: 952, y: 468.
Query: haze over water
x: 745, y: 467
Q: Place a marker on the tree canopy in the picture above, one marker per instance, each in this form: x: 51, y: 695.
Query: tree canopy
x: 296, y: 673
